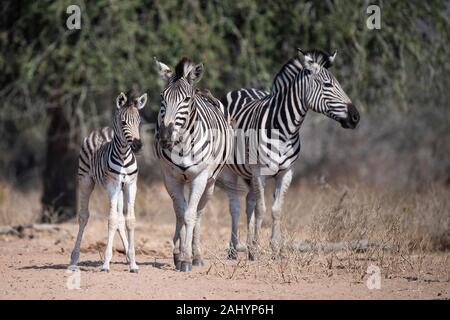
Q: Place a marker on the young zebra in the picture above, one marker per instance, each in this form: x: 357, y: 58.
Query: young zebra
x: 303, y: 83
x: 193, y: 142
x: 107, y: 157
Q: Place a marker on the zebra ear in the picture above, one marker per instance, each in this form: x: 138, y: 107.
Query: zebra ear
x: 332, y: 57
x: 164, y: 70
x: 196, y: 73
x: 121, y: 100
x: 142, y: 100
x: 307, y: 62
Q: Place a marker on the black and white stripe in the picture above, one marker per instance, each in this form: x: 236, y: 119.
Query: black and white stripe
x: 109, y: 152
x: 107, y: 157
x: 196, y: 130
x: 303, y: 83
x: 193, y: 142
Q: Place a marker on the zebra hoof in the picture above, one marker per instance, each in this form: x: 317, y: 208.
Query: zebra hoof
x: 276, y: 257
x: 252, y: 257
x: 134, y: 270
x: 177, y: 261
x: 198, y: 262
x: 73, y: 267
x: 105, y: 270
x: 185, y: 267
x: 232, y: 254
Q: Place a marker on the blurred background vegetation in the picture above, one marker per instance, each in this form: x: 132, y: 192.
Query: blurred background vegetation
x: 58, y: 84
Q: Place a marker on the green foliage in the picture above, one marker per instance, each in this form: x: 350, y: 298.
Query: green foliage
x: 242, y: 43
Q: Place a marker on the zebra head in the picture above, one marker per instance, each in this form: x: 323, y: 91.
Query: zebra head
x: 324, y: 93
x: 176, y: 100
x: 127, y: 119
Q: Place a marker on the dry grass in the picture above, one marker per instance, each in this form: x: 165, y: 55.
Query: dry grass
x: 402, y: 232
x: 18, y: 207
x: 408, y: 233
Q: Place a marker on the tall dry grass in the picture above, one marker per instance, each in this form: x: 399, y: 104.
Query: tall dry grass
x: 397, y: 232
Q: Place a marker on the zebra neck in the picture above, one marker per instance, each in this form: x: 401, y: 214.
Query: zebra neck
x: 120, y: 152
x: 290, y: 107
x: 286, y: 75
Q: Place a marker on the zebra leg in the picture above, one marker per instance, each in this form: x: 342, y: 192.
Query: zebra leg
x: 235, y: 212
x: 250, y: 203
x: 258, y: 183
x: 85, y: 188
x: 123, y: 236
x: 113, y: 190
x: 197, y: 188
x: 196, y: 248
x: 176, y: 192
x: 130, y: 219
x: 282, y: 183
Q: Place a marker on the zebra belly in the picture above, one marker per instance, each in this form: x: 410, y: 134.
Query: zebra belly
x: 118, y: 179
x: 188, y: 173
x: 266, y: 166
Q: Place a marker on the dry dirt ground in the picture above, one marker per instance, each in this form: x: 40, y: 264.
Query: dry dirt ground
x: 33, y: 266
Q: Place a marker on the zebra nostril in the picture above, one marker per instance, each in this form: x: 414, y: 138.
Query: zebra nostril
x: 136, y: 145
x: 353, y: 113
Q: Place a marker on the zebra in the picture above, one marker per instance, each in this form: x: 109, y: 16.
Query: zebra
x: 303, y: 83
x: 107, y: 157
x: 193, y: 142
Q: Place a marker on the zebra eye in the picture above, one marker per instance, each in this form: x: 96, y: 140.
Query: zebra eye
x: 327, y: 84
x: 124, y: 123
x: 186, y: 100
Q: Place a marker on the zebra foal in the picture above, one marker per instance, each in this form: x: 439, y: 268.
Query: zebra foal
x: 193, y: 142
x: 107, y: 157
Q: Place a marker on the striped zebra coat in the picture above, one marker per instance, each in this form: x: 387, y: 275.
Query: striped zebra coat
x: 107, y: 157
x: 269, y: 123
x: 193, y: 142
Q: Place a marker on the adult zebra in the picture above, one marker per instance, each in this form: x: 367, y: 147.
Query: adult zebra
x: 269, y: 123
x: 193, y: 142
x: 107, y: 158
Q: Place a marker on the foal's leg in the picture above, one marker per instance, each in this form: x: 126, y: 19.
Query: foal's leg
x: 130, y: 219
x: 283, y: 181
x: 121, y: 212
x: 196, y: 248
x: 176, y: 191
x: 85, y: 188
x: 197, y: 188
x: 113, y: 190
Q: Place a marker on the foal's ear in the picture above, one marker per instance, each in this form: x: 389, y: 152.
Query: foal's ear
x: 196, y: 73
x: 141, y: 101
x: 121, y: 100
x: 164, y: 70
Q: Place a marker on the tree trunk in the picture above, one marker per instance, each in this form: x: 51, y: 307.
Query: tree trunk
x: 59, y: 176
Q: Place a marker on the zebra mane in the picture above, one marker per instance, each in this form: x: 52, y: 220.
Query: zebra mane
x: 183, y: 68
x: 320, y: 57
x: 131, y: 97
x: 286, y: 74
x: 291, y: 68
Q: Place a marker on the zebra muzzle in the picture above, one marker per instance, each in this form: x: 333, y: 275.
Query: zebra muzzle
x: 352, y: 119
x: 136, y: 145
x: 168, y: 136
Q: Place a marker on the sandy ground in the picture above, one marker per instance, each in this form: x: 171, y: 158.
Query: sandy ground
x: 34, y: 267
